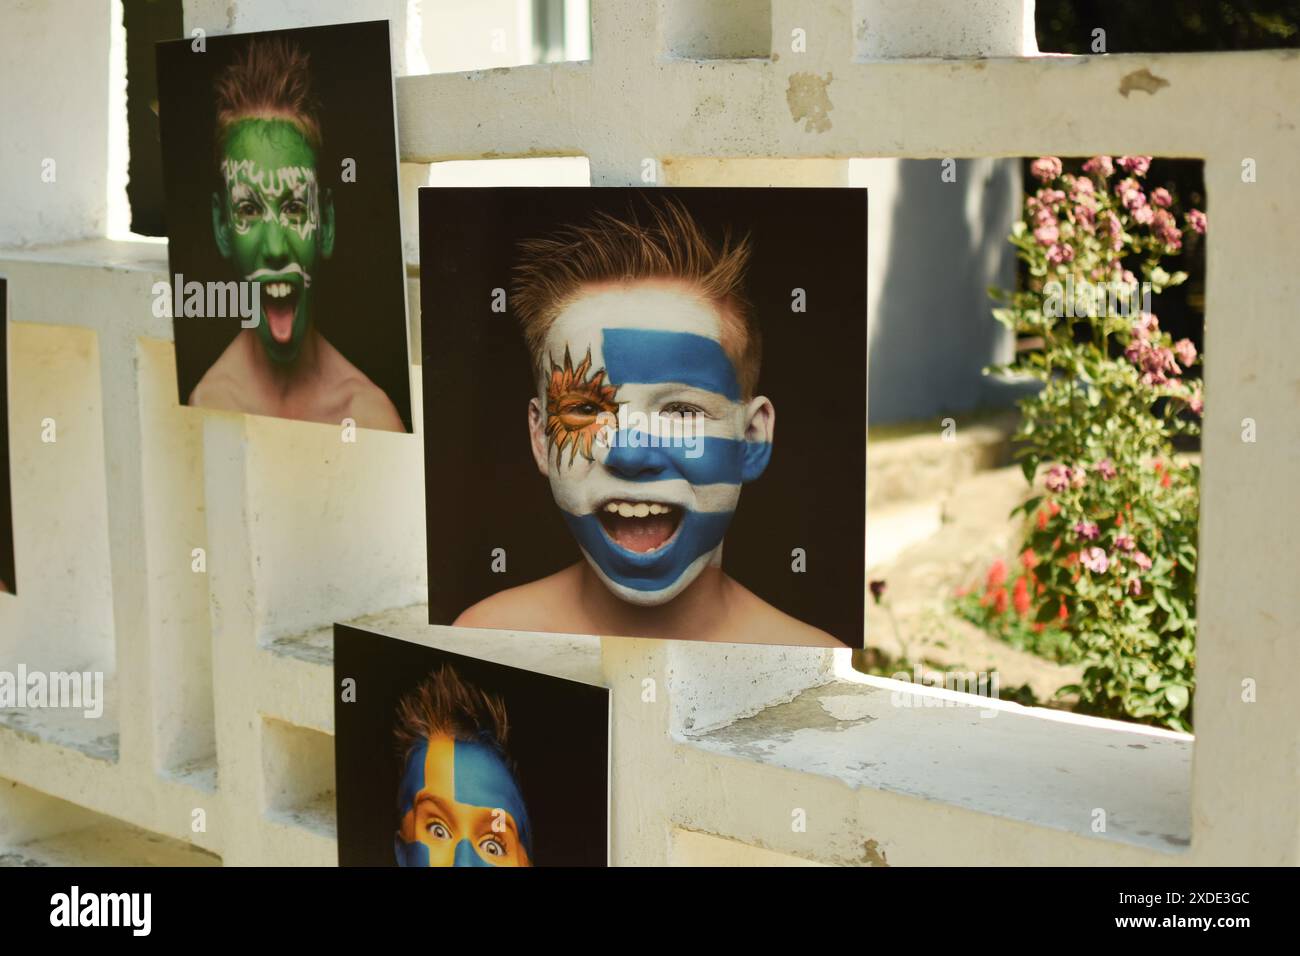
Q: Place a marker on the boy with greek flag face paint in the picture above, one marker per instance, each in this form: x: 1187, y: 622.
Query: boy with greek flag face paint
x: 647, y: 425
x: 274, y: 224
x: 458, y: 800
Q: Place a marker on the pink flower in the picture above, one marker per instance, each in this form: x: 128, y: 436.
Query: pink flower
x: 1058, y: 253
x: 1134, y: 587
x: 1106, y: 468
x: 1081, y: 189
x: 1086, y: 216
x: 1196, y: 219
x: 1087, y: 530
x: 1057, y: 478
x: 1101, y: 165
x: 1095, y: 560
x: 1160, y: 196
x: 1125, y: 542
x: 1146, y: 326
x: 1078, y: 477
x: 1143, y: 215
x: 1046, y: 168
x: 1116, y: 231
x: 1166, y: 230
x: 1196, y: 402
x: 1141, y: 560
x: 1137, y: 165
x: 1047, y: 234
x: 1185, y: 351
x: 1051, y: 197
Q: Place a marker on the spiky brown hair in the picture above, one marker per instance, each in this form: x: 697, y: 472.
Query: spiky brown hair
x: 269, y: 79
x: 445, y: 703
x: 670, y: 246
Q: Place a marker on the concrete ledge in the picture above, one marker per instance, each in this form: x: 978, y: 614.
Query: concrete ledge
x: 1045, y: 768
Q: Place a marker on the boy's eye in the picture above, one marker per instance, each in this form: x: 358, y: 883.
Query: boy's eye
x: 492, y: 846
x: 681, y: 408
x: 437, y: 830
x: 247, y: 208
x: 295, y: 208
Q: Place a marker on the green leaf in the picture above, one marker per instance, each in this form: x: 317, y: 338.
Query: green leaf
x: 1177, y: 696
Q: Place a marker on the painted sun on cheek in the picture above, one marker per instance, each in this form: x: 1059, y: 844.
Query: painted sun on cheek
x: 577, y: 407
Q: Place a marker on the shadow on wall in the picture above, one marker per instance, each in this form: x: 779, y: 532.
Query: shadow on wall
x: 931, y: 330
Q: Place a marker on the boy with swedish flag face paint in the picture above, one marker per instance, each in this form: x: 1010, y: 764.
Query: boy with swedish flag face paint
x: 458, y: 800
x: 274, y: 223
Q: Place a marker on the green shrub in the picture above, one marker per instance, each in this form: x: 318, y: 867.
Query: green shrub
x: 1108, y: 566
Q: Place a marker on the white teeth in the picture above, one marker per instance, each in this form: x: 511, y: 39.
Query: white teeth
x: 636, y: 509
x: 277, y: 290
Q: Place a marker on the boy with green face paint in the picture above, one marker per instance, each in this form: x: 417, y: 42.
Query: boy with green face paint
x: 274, y: 224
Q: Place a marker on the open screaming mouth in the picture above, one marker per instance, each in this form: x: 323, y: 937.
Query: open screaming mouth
x: 640, y: 526
x: 279, y: 304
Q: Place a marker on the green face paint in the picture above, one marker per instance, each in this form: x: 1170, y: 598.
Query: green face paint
x: 274, y: 226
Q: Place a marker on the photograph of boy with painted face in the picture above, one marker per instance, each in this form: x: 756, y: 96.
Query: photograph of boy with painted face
x: 662, y: 331
x: 280, y: 178
x: 443, y: 760
x: 7, y: 576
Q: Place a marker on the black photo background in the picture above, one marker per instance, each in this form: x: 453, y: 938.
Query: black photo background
x: 8, y: 576
x: 482, y: 487
x: 559, y: 739
x: 360, y: 301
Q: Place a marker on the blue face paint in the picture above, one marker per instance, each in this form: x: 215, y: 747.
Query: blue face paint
x: 483, y: 780
x: 700, y: 532
x: 717, y: 460
x: 651, y: 356
x: 466, y: 855
x: 412, y: 781
x: 410, y: 854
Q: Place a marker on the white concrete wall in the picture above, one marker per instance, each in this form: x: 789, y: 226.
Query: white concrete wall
x: 715, y: 764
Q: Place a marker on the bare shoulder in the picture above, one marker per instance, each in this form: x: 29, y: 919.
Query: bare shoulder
x: 359, y: 398
x: 758, y: 622
x: 540, y: 605
x: 226, y: 382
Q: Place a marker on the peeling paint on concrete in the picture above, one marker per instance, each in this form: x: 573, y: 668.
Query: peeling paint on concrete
x: 846, y: 707
x: 810, y: 101
x: 1143, y: 80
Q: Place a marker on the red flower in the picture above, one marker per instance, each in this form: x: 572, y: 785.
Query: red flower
x: 1164, y: 480
x: 1000, y: 601
x: 1054, y: 508
x: 1042, y: 520
x: 1028, y: 560
x: 1020, y: 597
x: 1039, y: 627
x: 997, y: 574
x: 1063, y: 612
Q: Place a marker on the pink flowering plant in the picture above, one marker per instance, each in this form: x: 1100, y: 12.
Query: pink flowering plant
x: 1108, y: 562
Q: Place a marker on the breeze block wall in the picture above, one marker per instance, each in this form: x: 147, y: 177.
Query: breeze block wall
x: 215, y: 744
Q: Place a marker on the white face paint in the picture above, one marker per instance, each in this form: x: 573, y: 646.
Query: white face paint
x: 586, y: 488
x: 288, y: 195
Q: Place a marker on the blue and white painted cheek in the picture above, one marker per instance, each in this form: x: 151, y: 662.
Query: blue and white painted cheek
x: 660, y: 345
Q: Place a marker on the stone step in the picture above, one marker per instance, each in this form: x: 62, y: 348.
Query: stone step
x: 923, y: 461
